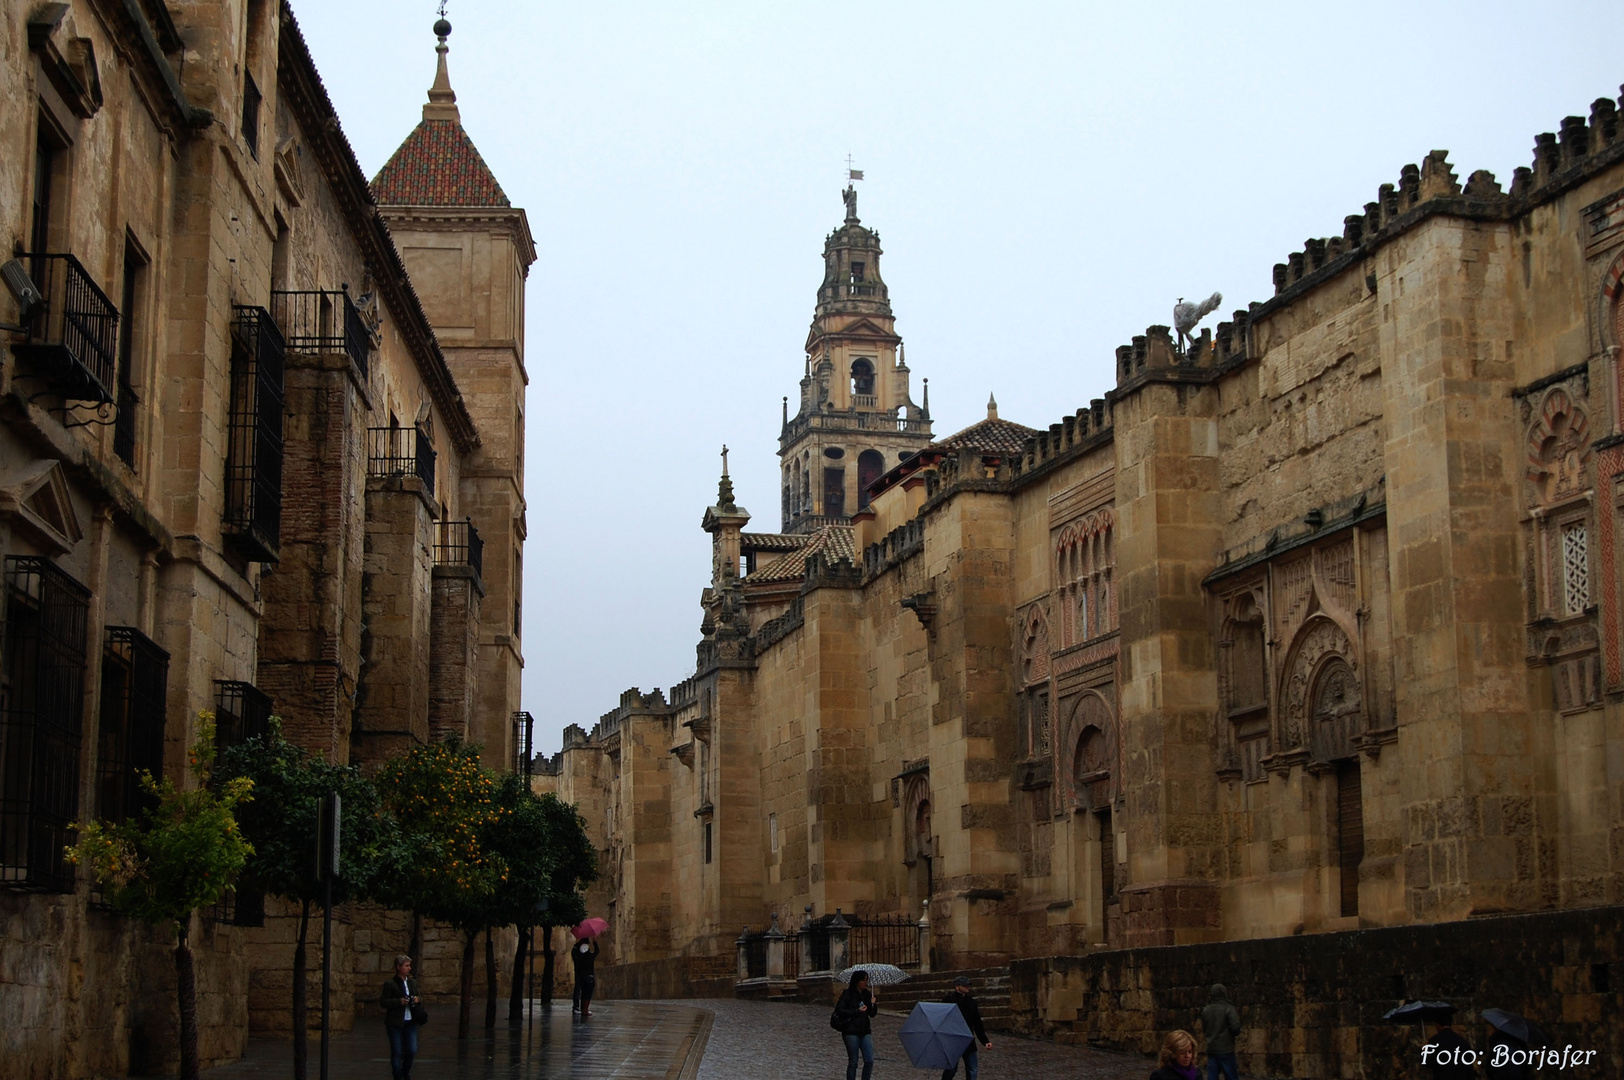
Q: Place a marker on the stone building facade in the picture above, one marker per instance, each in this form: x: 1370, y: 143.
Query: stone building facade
x: 1311, y: 628
x: 240, y: 471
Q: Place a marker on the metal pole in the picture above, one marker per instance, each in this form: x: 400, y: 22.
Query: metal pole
x: 326, y: 963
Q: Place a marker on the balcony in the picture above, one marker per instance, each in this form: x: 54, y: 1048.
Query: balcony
x: 524, y: 733
x: 253, y: 519
x: 72, y: 338
x: 865, y: 401
x: 398, y: 451
x: 457, y: 543
x: 320, y: 321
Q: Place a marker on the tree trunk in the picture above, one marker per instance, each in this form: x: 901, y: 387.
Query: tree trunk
x: 516, y: 991
x: 465, y: 1004
x: 490, y: 979
x: 186, y: 993
x: 415, y: 950
x: 547, y: 965
x: 301, y: 1003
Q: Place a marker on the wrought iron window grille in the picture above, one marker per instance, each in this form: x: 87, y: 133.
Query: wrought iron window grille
x: 41, y: 720
x: 241, y: 712
x: 135, y: 685
x: 254, y: 457
x: 524, y: 733
x: 398, y: 451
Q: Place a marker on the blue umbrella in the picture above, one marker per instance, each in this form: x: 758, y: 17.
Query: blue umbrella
x: 935, y: 1035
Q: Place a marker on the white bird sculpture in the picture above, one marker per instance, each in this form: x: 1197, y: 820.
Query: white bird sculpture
x: 1185, y: 316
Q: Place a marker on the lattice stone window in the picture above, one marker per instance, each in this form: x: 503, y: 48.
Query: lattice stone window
x: 1575, y: 569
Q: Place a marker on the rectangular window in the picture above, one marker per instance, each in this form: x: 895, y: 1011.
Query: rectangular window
x: 135, y: 684
x: 254, y: 447
x: 1350, y: 832
x: 1575, y: 569
x: 250, y: 114
x: 1107, y: 859
x: 518, y: 593
x: 834, y: 492
x: 41, y: 718
x: 707, y: 842
x: 39, y: 228
x: 127, y: 402
x: 241, y: 712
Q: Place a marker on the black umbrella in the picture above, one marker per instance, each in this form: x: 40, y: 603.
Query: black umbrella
x: 1518, y: 1027
x: 1414, y: 1012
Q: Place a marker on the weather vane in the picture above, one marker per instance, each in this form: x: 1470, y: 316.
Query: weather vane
x: 442, y: 9
x: 851, y: 173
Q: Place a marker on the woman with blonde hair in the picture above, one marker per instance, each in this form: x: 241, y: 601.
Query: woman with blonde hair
x: 1178, y: 1058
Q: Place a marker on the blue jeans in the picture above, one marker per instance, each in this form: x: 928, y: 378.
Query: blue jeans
x: 972, y: 1063
x: 402, y: 1048
x: 1225, y: 1062
x: 854, y: 1043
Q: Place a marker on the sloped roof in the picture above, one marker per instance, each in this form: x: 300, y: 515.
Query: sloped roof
x: 834, y: 542
x: 991, y: 435
x: 437, y: 165
x: 750, y: 541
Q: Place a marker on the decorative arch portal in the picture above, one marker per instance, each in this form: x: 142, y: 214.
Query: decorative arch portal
x: 918, y: 841
x: 1558, y: 448
x: 870, y: 467
x: 1612, y: 306
x: 1321, y: 693
x: 1035, y: 647
x: 1089, y: 734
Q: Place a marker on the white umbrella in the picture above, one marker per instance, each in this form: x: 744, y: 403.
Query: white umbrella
x: 878, y: 974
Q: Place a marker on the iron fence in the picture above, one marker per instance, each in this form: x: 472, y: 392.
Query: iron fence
x: 398, y: 451
x: 323, y: 321
x: 884, y: 939
x: 73, y: 333
x: 241, y: 712
x: 458, y: 544
x: 755, y: 952
x: 41, y: 716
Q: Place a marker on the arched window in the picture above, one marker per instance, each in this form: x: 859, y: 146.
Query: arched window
x: 862, y: 378
x: 870, y: 467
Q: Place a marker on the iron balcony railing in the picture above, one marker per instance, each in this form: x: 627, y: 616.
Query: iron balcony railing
x: 241, y: 712
x: 323, y: 321
x: 253, y: 516
x: 458, y: 544
x: 73, y: 332
x: 398, y: 451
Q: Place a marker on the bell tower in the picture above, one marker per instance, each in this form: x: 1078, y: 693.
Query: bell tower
x: 856, y: 420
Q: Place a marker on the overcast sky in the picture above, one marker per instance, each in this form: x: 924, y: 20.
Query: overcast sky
x: 1046, y: 178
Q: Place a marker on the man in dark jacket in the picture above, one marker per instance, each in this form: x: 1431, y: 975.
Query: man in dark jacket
x: 1443, y: 1055
x: 398, y: 997
x: 972, y: 1016
x: 1221, y: 1023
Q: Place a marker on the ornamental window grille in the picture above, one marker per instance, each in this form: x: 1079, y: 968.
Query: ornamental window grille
x: 41, y: 717
x: 1038, y: 727
x: 135, y: 683
x: 1575, y: 569
x: 254, y: 447
x: 241, y: 712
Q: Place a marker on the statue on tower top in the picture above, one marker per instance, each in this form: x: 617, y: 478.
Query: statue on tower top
x: 850, y: 197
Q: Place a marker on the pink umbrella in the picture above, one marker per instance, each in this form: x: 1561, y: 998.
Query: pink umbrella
x: 590, y: 928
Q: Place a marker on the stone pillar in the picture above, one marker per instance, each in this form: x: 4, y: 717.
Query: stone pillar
x: 839, y: 943
x: 775, y: 950
x: 743, y: 945
x: 924, y: 938
x: 397, y: 600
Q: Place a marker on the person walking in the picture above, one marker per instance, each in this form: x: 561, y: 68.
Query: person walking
x: 855, y: 1011
x: 1443, y: 1055
x: 1177, y: 1060
x: 1220, y: 1023
x: 585, y: 957
x: 399, y: 999
x: 966, y: 1002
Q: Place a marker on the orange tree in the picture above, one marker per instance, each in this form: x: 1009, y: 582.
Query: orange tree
x: 181, y: 855
x: 445, y: 804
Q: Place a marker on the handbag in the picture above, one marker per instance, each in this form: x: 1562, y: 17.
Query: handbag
x: 420, y: 1014
x: 839, y: 1020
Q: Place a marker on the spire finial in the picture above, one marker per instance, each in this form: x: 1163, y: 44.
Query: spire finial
x: 924, y: 409
x: 992, y: 407
x: 442, y: 99
x: 724, y: 488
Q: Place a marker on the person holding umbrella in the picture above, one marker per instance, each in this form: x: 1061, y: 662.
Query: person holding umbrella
x: 966, y: 1002
x: 584, y: 955
x: 855, y: 1011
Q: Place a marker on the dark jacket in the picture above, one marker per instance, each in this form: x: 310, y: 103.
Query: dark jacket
x: 586, y: 961
x: 972, y: 1013
x: 856, y: 1020
x: 1220, y: 1022
x: 1507, y: 1071
x: 1450, y: 1039
x: 1170, y: 1072
x: 394, y: 1013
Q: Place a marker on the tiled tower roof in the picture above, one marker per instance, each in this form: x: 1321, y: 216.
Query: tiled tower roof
x: 437, y: 165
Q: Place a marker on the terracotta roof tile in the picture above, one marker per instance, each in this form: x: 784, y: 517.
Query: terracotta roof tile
x: 749, y: 541
x: 992, y: 435
x: 437, y: 165
x: 834, y: 542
